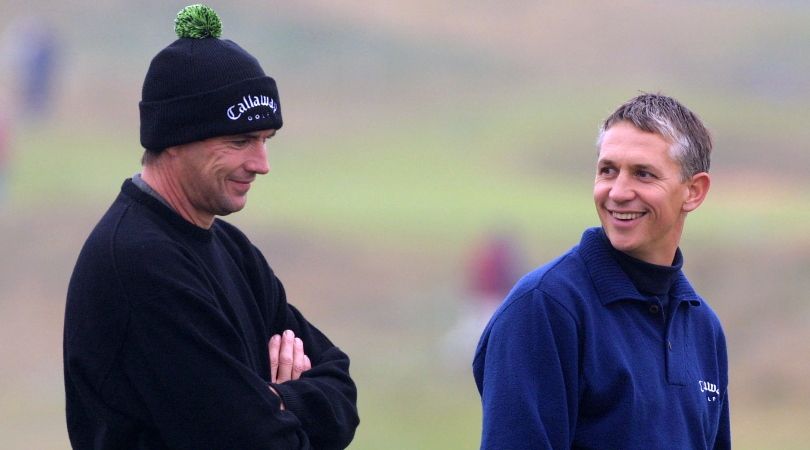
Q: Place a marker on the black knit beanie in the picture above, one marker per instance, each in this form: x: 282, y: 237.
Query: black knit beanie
x: 201, y: 86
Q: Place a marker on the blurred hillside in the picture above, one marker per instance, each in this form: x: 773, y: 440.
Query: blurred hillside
x: 740, y: 63
x: 411, y: 130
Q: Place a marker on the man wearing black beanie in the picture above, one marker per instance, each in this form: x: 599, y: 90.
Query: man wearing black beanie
x: 177, y: 332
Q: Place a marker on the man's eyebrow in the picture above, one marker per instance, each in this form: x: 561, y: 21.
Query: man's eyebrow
x: 641, y: 166
x: 252, y: 135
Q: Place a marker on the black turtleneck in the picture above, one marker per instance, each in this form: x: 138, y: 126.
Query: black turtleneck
x: 649, y: 279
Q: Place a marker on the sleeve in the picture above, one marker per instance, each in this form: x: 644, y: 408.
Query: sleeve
x: 526, y: 369
x: 324, y: 399
x: 723, y: 439
x: 190, y: 366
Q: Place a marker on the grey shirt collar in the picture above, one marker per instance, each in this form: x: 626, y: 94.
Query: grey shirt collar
x: 137, y: 180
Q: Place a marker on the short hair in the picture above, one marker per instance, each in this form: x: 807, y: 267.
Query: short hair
x: 668, y: 118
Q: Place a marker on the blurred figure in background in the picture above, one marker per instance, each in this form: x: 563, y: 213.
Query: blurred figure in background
x: 32, y: 50
x: 609, y: 346
x: 493, y: 267
x: 492, y: 270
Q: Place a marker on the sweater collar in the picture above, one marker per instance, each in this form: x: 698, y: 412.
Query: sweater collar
x: 166, y: 213
x: 612, y: 282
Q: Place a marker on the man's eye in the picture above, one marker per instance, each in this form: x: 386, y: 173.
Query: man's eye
x: 644, y: 174
x: 605, y: 170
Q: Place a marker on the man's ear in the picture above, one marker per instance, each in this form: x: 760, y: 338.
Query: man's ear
x: 172, y: 151
x: 698, y: 187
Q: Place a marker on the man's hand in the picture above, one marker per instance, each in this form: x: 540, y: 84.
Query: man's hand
x: 287, y: 358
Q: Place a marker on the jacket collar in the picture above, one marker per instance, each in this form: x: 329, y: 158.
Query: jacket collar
x: 612, y: 283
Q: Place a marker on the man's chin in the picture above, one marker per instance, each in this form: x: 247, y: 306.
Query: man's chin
x: 620, y: 241
x: 230, y: 209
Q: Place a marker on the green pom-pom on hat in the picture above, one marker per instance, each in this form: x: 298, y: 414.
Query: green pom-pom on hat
x: 197, y: 22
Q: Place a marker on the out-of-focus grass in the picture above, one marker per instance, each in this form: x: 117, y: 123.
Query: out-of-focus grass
x: 71, y: 167
x: 773, y: 427
x: 431, y: 413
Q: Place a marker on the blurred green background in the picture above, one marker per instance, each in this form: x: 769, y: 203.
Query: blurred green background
x: 413, y: 129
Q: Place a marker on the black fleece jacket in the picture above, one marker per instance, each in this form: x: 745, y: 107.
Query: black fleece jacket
x: 165, y: 342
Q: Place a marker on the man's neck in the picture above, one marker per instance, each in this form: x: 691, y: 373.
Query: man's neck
x: 137, y: 180
x: 158, y: 178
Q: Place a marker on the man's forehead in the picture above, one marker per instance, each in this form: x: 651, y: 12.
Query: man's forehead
x: 252, y: 134
x: 637, y: 156
x: 628, y: 134
x: 625, y: 137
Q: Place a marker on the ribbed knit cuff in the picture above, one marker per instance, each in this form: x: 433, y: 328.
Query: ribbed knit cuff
x: 288, y: 395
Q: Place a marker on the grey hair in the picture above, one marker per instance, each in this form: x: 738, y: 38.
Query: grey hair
x: 691, y: 143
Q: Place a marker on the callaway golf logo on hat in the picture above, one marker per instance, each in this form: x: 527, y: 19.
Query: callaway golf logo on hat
x: 249, y: 102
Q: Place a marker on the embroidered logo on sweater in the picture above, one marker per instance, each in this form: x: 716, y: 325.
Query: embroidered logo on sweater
x: 711, y: 390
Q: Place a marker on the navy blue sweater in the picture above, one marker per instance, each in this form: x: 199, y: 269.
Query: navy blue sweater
x: 165, y: 343
x: 577, y: 357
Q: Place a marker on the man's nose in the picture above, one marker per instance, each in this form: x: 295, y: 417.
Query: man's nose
x: 622, y: 189
x: 258, y: 162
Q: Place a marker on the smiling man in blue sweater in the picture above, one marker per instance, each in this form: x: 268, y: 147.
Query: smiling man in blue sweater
x: 609, y: 346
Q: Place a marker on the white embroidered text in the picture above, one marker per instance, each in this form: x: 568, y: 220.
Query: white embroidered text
x: 248, y: 102
x: 713, y: 391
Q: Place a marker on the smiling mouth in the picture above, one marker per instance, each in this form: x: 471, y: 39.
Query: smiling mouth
x: 626, y: 215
